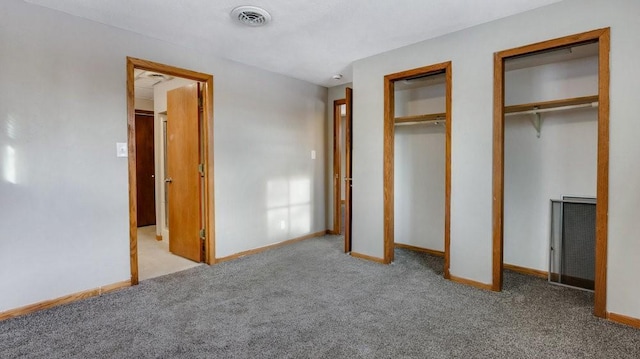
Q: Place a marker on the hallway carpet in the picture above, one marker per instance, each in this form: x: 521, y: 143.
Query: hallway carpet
x: 309, y: 300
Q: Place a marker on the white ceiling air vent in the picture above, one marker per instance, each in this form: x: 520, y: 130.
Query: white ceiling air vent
x: 155, y: 75
x: 251, y: 16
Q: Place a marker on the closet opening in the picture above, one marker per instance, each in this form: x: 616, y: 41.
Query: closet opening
x: 550, y: 162
x: 417, y: 161
x: 170, y: 175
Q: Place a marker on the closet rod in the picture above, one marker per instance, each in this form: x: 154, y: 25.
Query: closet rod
x: 561, y: 108
x: 421, y: 118
x: 434, y: 121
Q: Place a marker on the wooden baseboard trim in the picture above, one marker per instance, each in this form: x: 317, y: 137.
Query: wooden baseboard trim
x: 526, y: 271
x: 31, y: 308
x: 420, y: 249
x: 158, y: 237
x: 368, y: 258
x: 623, y: 319
x: 333, y: 233
x: 470, y: 282
x: 270, y: 246
x: 114, y: 287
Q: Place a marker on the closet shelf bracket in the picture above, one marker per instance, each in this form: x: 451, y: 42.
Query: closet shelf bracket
x: 537, y: 122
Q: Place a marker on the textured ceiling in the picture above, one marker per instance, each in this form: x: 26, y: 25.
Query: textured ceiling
x: 308, y: 40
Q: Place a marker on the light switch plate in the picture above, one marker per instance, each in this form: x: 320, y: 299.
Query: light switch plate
x: 313, y: 154
x: 121, y: 149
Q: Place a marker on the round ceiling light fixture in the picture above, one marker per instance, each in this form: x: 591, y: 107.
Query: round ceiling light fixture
x: 337, y: 76
x: 251, y: 16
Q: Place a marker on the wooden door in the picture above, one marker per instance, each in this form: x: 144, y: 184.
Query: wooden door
x: 145, y: 169
x: 183, y: 174
x: 348, y: 181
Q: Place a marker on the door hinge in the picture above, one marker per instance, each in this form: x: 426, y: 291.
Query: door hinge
x: 203, y: 247
x: 201, y: 169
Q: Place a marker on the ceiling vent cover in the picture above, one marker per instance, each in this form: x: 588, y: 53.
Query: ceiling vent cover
x: 251, y: 16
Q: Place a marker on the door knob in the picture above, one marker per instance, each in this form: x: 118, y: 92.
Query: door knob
x: 168, y: 180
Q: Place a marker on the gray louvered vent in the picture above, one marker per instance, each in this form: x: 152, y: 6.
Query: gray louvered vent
x: 251, y: 16
x: 573, y: 242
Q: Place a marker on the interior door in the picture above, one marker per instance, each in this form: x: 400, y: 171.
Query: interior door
x: 145, y: 169
x: 183, y: 172
x: 348, y: 181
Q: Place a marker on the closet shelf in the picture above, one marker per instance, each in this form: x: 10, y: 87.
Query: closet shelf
x: 421, y: 118
x: 536, y: 108
x: 551, y: 104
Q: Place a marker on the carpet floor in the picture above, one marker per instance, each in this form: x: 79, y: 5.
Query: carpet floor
x: 309, y: 300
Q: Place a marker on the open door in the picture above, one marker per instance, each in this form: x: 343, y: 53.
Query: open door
x: 184, y: 172
x: 347, y: 179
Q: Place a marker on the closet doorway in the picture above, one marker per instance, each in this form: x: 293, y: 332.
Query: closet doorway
x: 191, y: 105
x: 561, y: 100
x: 417, y: 142
x: 342, y: 182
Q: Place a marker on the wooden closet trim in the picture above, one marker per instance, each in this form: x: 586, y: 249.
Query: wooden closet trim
x: 388, y: 158
x: 132, y: 64
x: 602, y: 36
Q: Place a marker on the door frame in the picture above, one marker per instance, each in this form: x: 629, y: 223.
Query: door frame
x: 602, y: 36
x: 389, y: 160
x: 348, y: 180
x: 337, y: 165
x: 207, y: 139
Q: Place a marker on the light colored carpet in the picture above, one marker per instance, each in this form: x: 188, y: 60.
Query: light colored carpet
x: 310, y: 300
x: 154, y: 257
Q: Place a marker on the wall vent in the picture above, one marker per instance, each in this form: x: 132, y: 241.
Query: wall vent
x: 573, y: 242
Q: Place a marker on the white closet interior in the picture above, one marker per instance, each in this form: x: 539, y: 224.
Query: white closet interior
x: 547, y: 153
x: 419, y: 170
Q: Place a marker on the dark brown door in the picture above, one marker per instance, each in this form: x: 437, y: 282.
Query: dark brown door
x: 347, y: 186
x: 145, y: 169
x: 183, y: 174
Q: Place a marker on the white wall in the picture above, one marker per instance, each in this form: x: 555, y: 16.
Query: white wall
x: 419, y: 169
x: 426, y: 99
x: 472, y: 52
x: 561, y: 162
x: 64, y: 194
x: 143, y: 104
